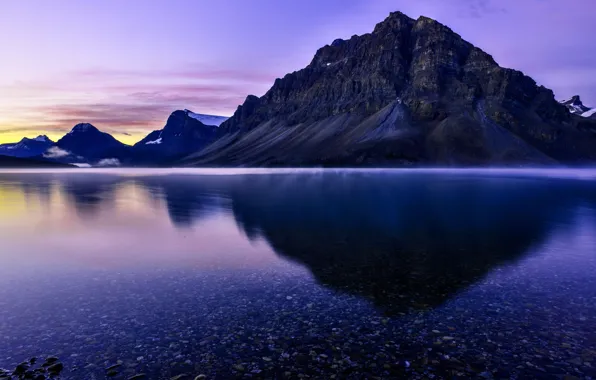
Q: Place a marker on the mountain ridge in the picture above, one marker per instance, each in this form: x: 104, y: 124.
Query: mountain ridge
x: 576, y: 107
x: 411, y: 92
x: 182, y: 134
x: 27, y: 147
x: 86, y: 144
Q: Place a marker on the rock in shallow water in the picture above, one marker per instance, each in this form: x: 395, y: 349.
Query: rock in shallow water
x: 55, y: 369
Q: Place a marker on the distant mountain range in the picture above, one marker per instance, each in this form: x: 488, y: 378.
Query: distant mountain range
x: 184, y: 133
x: 411, y: 93
x: 27, y: 147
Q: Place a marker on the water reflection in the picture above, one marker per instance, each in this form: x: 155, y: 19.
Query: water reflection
x: 403, y: 243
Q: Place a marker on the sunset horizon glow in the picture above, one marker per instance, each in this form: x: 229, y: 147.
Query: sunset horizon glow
x: 125, y: 66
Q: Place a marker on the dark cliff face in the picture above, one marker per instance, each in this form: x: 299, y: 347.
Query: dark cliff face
x: 412, y: 91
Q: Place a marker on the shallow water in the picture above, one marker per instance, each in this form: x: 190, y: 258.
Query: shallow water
x: 318, y: 273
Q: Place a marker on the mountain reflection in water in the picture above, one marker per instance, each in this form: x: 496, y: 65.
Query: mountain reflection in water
x: 404, y: 242
x: 286, y: 274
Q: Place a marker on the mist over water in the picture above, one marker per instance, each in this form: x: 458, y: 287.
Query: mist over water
x: 250, y: 271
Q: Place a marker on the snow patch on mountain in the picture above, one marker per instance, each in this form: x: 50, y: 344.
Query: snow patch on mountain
x: 154, y: 142
x: 575, y: 106
x: 207, y: 119
x: 82, y: 127
x: 41, y: 138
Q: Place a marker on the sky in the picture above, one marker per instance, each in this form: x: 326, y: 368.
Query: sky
x: 124, y: 66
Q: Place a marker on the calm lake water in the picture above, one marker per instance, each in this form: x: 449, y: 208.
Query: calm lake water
x: 300, y: 274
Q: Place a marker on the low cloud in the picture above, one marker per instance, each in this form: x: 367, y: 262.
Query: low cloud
x: 82, y: 165
x: 480, y: 8
x: 108, y: 162
x: 55, y: 152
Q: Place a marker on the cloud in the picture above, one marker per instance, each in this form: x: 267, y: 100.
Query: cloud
x: 129, y: 102
x: 108, y: 162
x: 480, y: 8
x: 143, y: 111
x: 81, y: 165
x: 188, y: 72
x: 55, y: 152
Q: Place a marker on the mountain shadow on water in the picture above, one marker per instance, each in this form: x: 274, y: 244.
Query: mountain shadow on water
x: 404, y: 243
x: 186, y: 201
x: 89, y: 193
x: 185, y: 205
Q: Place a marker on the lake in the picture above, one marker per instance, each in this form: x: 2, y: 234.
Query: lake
x: 300, y: 273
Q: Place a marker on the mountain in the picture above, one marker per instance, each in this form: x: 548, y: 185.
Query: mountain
x: 85, y: 143
x: 576, y: 107
x: 412, y: 92
x: 27, y: 147
x: 183, y: 134
x: 20, y: 162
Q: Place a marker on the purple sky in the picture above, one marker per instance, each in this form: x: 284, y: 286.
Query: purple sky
x: 126, y: 65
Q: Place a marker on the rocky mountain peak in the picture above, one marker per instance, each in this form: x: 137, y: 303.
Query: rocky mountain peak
x: 338, y: 42
x: 38, y: 139
x: 42, y: 138
x: 185, y: 132
x: 85, y: 140
x: 27, y: 147
x: 84, y: 128
x: 395, y: 21
x: 412, y: 90
x: 575, y: 106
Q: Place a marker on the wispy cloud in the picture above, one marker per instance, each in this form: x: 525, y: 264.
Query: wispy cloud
x: 480, y: 8
x: 188, y: 72
x: 129, y: 102
x: 109, y: 162
x: 55, y: 152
